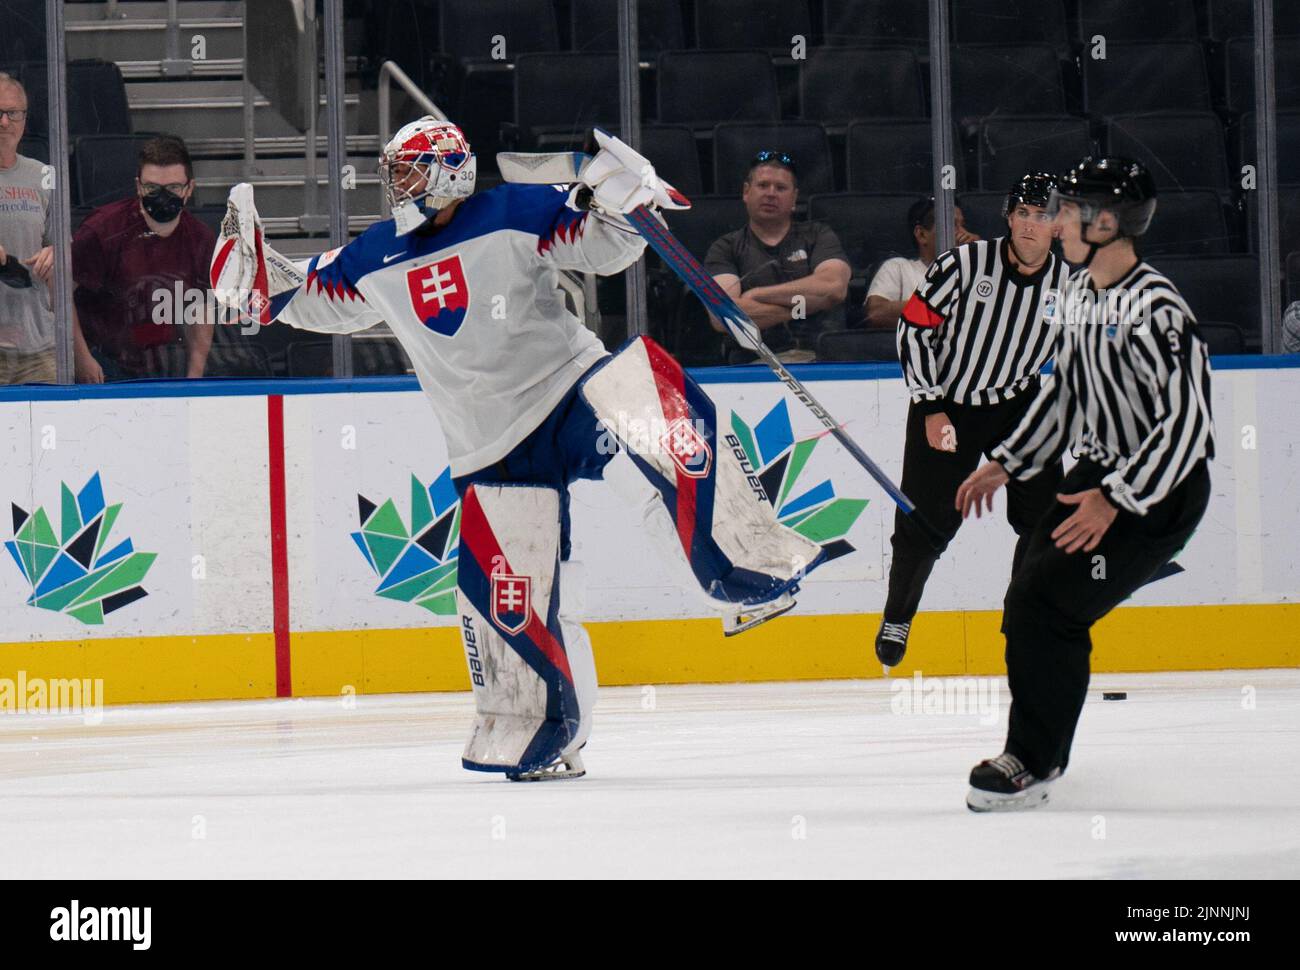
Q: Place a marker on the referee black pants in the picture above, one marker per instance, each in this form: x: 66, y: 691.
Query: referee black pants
x: 1054, y: 599
x: 930, y: 480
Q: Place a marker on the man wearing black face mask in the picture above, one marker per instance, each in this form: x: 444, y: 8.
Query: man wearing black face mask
x: 141, y: 272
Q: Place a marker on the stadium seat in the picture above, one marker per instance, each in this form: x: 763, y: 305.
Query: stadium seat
x: 871, y: 227
x: 558, y: 97
x: 855, y: 22
x: 1221, y: 338
x: 35, y: 146
x: 996, y: 80
x: 311, y: 358
x: 409, y: 33
x: 1010, y: 22
x: 96, y: 99
x: 838, y: 84
x: 753, y: 23
x: 1289, y: 209
x: 892, y: 156
x: 690, y: 336
x: 1287, y: 133
x: 104, y: 168
x: 735, y: 145
x: 1188, y: 224
x: 230, y: 360
x: 1222, y: 288
x: 1240, y: 80
x: 1226, y: 19
x: 23, y: 37
x: 983, y: 212
x: 857, y: 345
x: 35, y: 79
x: 1007, y: 148
x: 1135, y: 20
x: 672, y: 149
x: 1288, y: 214
x: 709, y: 217
x: 704, y: 88
x: 1182, y: 151
x: 377, y: 356
x: 210, y: 215
x: 1146, y: 77
x: 595, y: 25
x: 467, y: 28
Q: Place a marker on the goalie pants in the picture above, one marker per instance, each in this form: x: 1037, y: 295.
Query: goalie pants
x: 570, y: 444
x: 931, y: 478
x: 1055, y: 598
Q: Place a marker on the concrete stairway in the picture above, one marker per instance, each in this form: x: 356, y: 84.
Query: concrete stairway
x: 205, y: 107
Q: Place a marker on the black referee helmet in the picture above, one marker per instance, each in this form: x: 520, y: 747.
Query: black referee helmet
x: 1032, y: 189
x: 1121, y: 185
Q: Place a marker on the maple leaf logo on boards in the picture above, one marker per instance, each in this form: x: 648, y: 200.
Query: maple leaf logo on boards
x: 77, y: 570
x: 779, y: 461
x: 416, y: 565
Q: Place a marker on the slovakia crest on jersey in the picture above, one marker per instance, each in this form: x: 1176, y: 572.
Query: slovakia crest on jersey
x: 440, y: 295
x: 687, y: 448
x: 511, y: 601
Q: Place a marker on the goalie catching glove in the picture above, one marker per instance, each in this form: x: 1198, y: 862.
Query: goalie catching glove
x: 618, y: 179
x: 246, y: 274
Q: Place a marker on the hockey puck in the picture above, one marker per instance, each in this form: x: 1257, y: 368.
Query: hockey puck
x: 1115, y: 695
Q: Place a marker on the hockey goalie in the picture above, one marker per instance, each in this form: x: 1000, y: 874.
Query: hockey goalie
x: 526, y: 396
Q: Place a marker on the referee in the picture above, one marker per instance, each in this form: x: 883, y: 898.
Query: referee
x: 1131, y: 393
x: 971, y: 340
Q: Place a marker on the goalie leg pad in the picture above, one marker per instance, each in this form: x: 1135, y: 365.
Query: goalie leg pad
x: 533, y: 676
x: 722, y: 516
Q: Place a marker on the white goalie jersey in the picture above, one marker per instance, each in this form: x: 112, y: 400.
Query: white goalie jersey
x: 475, y: 304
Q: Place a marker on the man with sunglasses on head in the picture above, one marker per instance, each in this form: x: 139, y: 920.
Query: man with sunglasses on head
x: 972, y: 340
x: 141, y: 270
x: 790, y: 277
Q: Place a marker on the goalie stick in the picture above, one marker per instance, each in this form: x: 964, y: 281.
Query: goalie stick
x: 554, y: 169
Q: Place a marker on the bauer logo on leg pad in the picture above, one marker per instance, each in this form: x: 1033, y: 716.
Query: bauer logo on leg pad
x: 688, y: 448
x: 511, y: 602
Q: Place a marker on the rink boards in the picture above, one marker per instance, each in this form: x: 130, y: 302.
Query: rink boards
x: 255, y: 539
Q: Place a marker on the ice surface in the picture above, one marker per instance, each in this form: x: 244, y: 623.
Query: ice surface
x: 1184, y: 779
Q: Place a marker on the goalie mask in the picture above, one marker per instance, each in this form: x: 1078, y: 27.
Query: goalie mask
x: 425, y: 167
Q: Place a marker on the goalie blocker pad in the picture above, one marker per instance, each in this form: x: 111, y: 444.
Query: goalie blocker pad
x: 723, y: 517
x: 533, y: 677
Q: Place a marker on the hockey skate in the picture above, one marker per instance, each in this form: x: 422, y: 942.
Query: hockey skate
x: 748, y: 617
x: 891, y: 642
x: 564, y: 768
x: 1004, y: 784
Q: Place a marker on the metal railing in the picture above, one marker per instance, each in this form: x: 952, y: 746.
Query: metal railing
x: 388, y: 73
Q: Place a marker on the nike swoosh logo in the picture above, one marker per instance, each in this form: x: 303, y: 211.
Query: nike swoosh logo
x: 389, y: 259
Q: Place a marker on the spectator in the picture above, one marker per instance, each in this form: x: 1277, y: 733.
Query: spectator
x: 26, y: 316
x: 1291, y: 329
x: 790, y: 277
x: 141, y: 271
x: 898, y: 278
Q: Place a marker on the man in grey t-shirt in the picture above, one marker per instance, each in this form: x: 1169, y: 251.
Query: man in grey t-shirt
x: 26, y: 316
x: 790, y: 277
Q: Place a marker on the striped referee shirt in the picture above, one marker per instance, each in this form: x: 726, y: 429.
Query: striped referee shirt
x: 977, y: 331
x: 1130, y: 391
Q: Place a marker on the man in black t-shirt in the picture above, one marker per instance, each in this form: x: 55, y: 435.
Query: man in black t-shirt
x: 790, y: 277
